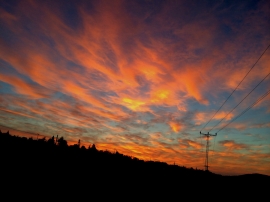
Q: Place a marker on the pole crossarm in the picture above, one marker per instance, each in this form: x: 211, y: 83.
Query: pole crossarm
x: 207, y: 135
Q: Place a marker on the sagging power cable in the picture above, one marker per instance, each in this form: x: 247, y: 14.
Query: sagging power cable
x: 248, y: 108
x: 240, y: 101
x: 236, y: 88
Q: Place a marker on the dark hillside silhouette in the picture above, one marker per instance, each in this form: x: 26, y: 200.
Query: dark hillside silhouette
x: 53, y: 165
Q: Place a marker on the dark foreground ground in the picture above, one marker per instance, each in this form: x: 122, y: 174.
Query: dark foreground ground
x: 51, y: 170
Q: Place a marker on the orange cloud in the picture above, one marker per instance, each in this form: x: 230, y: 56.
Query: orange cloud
x: 222, y: 114
x: 17, y: 113
x: 112, y: 62
x: 194, y: 144
x: 176, y: 127
x: 33, y: 90
x: 186, y: 143
x: 232, y: 145
x: 132, y: 104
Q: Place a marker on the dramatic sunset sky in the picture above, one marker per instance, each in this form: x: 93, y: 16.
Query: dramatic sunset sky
x: 141, y: 77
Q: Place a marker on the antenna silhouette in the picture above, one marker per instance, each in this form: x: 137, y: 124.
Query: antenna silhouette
x: 207, y: 135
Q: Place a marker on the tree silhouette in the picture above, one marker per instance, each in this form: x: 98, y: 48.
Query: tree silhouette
x: 93, y: 148
x: 51, y: 141
x: 62, y: 142
x: 43, y: 162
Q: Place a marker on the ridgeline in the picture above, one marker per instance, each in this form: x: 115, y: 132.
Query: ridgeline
x: 47, y: 165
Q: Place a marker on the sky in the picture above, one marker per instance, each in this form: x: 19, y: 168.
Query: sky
x: 141, y: 77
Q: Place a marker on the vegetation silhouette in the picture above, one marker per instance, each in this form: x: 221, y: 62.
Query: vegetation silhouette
x: 52, y: 165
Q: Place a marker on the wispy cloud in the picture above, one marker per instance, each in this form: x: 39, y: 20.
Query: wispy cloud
x: 232, y: 145
x: 133, y: 75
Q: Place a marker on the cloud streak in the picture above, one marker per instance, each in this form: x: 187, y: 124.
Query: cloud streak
x: 140, y: 76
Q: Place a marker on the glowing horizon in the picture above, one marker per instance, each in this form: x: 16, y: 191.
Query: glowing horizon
x: 141, y: 77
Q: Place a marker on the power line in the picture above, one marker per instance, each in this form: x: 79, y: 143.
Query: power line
x: 236, y: 87
x: 253, y: 104
x: 240, y: 101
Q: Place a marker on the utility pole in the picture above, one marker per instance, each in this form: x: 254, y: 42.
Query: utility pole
x: 207, y: 135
